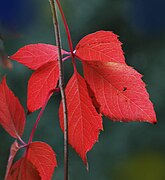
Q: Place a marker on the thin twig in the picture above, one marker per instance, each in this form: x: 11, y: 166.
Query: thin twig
x: 61, y: 86
x: 39, y: 117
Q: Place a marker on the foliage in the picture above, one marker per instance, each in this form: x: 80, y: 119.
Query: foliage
x: 109, y: 87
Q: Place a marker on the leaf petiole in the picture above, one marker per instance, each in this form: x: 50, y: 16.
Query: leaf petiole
x: 39, y: 117
x: 21, y: 140
x: 65, y: 58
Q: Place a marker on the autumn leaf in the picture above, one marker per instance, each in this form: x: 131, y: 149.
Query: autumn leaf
x: 43, y: 158
x: 93, y: 98
x: 12, y: 115
x: 120, y: 91
x: 38, y: 163
x: 84, y: 123
x: 23, y: 170
x: 35, y: 55
x: 101, y: 46
x: 42, y: 81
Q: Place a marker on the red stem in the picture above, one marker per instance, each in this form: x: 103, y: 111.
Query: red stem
x: 39, y: 117
x: 68, y: 34
x: 20, y: 139
x: 65, y: 58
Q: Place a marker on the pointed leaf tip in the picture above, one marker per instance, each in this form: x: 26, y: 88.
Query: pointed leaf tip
x: 83, y: 120
x: 12, y: 115
x: 120, y: 91
x: 35, y: 55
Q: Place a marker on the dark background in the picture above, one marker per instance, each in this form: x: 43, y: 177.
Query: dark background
x: 126, y: 151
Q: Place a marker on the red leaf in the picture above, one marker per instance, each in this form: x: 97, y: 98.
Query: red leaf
x: 12, y: 115
x: 13, y: 151
x: 42, y: 81
x: 94, y: 101
x: 120, y: 91
x: 43, y: 158
x: 84, y: 123
x: 100, y: 46
x: 36, y: 55
x: 23, y: 170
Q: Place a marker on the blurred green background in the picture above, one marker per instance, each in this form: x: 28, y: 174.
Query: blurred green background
x: 126, y: 151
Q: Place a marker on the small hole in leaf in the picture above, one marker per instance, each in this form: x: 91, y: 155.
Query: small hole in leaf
x: 124, y: 88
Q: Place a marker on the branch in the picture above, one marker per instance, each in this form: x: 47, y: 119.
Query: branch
x: 68, y: 34
x: 61, y: 86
